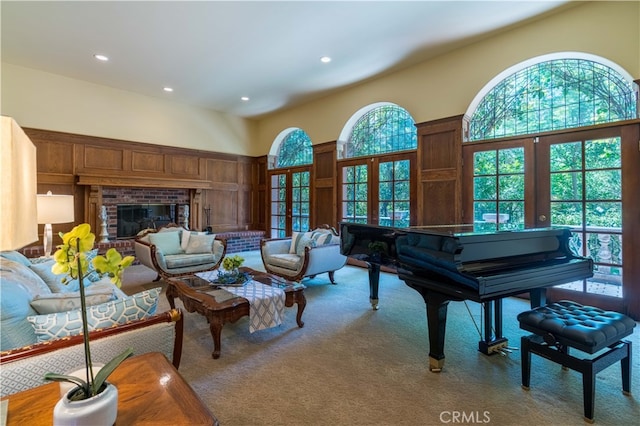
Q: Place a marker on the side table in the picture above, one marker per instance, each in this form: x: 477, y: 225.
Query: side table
x: 150, y: 392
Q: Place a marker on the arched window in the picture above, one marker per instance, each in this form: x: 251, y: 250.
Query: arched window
x: 378, y: 190
x: 292, y: 148
x: 554, y: 165
x: 290, y: 161
x: 552, y: 94
x: 380, y: 129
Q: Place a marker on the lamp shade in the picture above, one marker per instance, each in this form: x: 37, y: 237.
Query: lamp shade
x: 18, y: 225
x: 55, y: 208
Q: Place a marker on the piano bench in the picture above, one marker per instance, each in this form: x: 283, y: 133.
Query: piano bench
x: 565, y: 324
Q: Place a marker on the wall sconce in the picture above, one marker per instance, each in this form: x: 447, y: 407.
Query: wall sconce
x: 53, y: 209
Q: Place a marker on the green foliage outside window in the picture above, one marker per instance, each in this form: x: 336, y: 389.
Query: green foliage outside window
x: 295, y: 150
x: 355, y: 191
x: 598, y: 183
x: 498, y: 189
x: 552, y: 95
x: 384, y: 129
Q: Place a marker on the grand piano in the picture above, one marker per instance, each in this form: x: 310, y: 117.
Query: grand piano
x: 454, y: 263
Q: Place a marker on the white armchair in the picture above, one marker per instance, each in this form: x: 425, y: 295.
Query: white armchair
x: 173, y: 251
x: 303, y: 255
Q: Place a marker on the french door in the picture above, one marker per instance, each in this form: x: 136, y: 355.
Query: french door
x: 290, y: 202
x: 378, y: 190
x: 582, y: 180
x: 580, y: 186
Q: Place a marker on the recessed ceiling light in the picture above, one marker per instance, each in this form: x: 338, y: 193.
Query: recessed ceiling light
x: 244, y: 98
x: 167, y: 89
x: 325, y: 59
x: 102, y: 58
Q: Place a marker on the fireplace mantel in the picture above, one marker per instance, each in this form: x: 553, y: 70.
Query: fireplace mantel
x: 142, y: 182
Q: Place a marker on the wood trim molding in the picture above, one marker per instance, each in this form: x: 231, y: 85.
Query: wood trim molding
x: 142, y: 182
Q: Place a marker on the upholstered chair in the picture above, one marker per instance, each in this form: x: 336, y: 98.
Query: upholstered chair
x: 173, y: 251
x: 303, y: 254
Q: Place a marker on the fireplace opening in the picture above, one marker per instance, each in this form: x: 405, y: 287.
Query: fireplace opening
x: 133, y: 218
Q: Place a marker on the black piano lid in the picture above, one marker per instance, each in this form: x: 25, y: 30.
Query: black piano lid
x: 466, y: 230
x: 466, y: 247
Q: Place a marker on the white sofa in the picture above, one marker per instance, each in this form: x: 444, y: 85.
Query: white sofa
x: 303, y: 254
x: 38, y: 315
x: 173, y: 251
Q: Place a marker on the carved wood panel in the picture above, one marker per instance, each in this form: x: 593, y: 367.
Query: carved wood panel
x: 147, y: 162
x: 323, y: 185
x: 440, y: 172
x: 96, y: 158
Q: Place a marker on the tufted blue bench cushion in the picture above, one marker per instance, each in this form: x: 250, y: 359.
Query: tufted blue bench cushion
x: 585, y: 328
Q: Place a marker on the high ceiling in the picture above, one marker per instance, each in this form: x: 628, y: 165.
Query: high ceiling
x: 212, y: 53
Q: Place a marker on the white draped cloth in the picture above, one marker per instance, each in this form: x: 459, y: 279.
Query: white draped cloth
x: 266, y: 302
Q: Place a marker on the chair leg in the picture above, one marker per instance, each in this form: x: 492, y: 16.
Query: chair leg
x: 525, y: 361
x: 625, y: 366
x: 589, y: 393
x: 331, y: 278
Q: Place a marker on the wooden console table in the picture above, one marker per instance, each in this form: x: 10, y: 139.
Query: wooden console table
x: 150, y: 392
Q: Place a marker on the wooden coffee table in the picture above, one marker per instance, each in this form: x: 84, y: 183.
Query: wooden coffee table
x: 193, y: 291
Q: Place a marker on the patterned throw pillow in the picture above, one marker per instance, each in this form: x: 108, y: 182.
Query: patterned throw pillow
x: 296, y: 240
x: 92, y: 276
x: 200, y: 244
x: 167, y: 242
x: 305, y: 242
x: 321, y: 237
x: 55, y: 326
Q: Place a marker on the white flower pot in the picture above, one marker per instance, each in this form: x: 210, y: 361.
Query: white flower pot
x: 80, y: 373
x: 99, y: 410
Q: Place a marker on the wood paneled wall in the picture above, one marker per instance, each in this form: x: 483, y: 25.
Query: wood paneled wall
x: 80, y: 165
x: 324, y: 195
x: 440, y: 172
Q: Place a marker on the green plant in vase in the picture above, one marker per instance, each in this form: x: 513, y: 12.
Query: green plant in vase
x: 71, y: 260
x: 231, y: 273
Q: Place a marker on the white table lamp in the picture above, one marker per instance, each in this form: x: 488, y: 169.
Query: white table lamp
x: 53, y: 209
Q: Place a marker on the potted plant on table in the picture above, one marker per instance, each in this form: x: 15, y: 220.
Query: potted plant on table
x: 231, y: 274
x: 71, y: 260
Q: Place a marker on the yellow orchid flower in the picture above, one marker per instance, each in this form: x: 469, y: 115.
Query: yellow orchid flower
x: 72, y: 251
x: 113, y: 264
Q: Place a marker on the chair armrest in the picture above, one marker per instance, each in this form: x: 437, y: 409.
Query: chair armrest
x: 144, y: 252
x: 23, y: 368
x: 272, y: 246
x: 324, y: 259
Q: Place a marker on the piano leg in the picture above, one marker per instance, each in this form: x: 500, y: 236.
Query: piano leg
x: 437, y: 304
x: 437, y: 324
x: 538, y: 297
x: 374, y: 281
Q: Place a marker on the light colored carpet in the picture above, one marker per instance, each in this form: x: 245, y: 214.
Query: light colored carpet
x: 350, y: 365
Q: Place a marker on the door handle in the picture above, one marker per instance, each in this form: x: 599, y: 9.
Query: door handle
x: 542, y: 218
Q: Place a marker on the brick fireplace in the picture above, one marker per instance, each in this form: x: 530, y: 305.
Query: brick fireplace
x: 114, y: 196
